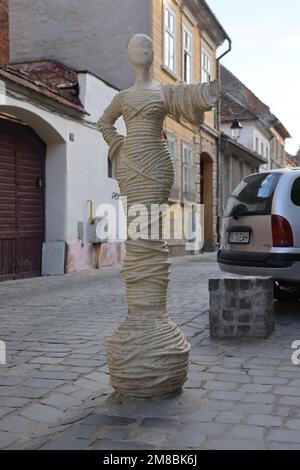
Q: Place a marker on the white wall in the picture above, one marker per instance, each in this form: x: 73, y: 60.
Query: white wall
x: 76, y: 171
x: 251, y: 130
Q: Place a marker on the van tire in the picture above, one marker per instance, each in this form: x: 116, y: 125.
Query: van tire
x: 286, y: 292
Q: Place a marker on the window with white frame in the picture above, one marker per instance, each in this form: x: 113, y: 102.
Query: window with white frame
x: 169, y: 38
x: 262, y: 149
x: 188, y: 169
x: 256, y: 145
x: 172, y: 145
x: 267, y: 152
x: 187, y: 53
x: 206, y: 65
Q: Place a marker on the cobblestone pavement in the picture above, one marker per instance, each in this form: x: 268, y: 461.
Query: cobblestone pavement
x: 54, y: 391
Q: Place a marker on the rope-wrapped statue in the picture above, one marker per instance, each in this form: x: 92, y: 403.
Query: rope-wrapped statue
x: 148, y: 355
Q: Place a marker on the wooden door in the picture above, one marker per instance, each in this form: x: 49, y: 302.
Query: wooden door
x: 22, y: 201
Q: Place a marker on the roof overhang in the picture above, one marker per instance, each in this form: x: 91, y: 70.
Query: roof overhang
x: 231, y: 147
x: 207, y: 21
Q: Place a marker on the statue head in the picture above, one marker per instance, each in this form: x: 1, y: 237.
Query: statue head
x: 140, y: 50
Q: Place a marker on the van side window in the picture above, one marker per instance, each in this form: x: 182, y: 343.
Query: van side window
x: 296, y: 192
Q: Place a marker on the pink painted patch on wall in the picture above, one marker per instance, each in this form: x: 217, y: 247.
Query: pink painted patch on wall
x: 84, y: 256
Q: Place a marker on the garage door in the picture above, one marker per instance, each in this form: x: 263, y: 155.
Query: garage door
x: 22, y: 189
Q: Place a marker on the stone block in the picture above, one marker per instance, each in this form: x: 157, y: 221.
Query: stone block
x: 53, y: 258
x: 241, y: 307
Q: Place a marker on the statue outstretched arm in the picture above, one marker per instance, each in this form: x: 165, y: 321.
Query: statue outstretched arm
x: 191, y: 101
x: 106, y: 126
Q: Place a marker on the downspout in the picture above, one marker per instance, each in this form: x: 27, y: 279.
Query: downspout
x: 218, y: 127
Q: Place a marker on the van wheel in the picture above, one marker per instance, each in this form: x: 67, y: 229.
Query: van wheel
x: 284, y: 291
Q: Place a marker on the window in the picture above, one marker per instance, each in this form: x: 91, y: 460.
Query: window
x: 296, y: 192
x: 169, y: 39
x: 242, y: 170
x: 172, y: 145
x: 256, y: 145
x: 267, y: 153
x: 253, y: 196
x: 206, y: 67
x: 262, y: 149
x: 187, y: 47
x: 110, y: 168
x: 188, y: 170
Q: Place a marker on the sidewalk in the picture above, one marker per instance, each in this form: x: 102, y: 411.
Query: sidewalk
x: 54, y: 391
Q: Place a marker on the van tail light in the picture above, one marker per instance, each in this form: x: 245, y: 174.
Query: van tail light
x: 282, y: 232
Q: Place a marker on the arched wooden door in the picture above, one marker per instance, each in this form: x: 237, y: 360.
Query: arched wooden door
x: 22, y: 201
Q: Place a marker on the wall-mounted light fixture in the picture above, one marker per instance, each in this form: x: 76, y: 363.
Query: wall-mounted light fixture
x: 236, y: 129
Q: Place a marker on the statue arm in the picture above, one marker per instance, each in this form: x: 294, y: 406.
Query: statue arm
x: 190, y: 101
x: 106, y: 126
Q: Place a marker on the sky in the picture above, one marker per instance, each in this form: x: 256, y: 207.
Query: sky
x: 266, y: 54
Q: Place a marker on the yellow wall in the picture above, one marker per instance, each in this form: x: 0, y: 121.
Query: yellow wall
x: 184, y: 132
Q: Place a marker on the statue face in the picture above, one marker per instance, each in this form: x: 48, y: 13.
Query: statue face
x: 140, y: 50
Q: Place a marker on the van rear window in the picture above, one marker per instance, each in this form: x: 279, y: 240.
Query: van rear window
x: 296, y: 192
x: 253, y: 196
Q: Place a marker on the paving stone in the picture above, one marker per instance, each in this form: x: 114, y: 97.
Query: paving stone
x: 264, y: 420
x: 42, y: 413
x: 270, y: 380
x: 120, y: 445
x: 234, y: 378
x: 216, y: 385
x: 98, y: 377
x: 152, y: 437
x: 255, y: 388
x: 61, y: 401
x: 201, y: 415
x: 234, y: 396
x: 101, y: 420
x: 295, y: 383
x: 10, y: 380
x: 282, y: 411
x: 235, y: 444
x: 260, y: 398
x: 244, y: 431
x: 219, y: 405
x: 14, y: 402
x: 184, y: 440
x: 17, y: 424
x: 87, y: 384
x: 292, y: 401
x: 46, y: 360
x: 282, y: 435
x: 66, y: 443
x: 293, y: 424
x: 283, y: 446
x: 229, y: 417
x: 43, y: 383
x: 23, y: 392
x: 58, y: 375
x: 5, y: 411
x: 289, y: 391
x: 159, y: 423
x: 205, y: 429
x: 7, y: 438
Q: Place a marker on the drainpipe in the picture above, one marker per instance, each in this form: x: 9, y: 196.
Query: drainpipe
x: 218, y: 127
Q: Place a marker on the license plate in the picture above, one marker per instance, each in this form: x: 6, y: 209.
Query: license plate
x: 242, y: 238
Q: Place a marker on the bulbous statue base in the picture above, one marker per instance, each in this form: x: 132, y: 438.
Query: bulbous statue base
x: 148, y: 357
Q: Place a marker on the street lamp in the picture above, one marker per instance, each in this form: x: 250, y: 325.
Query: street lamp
x: 236, y: 128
